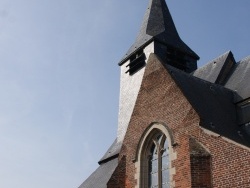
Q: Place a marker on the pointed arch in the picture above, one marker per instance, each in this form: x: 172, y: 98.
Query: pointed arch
x: 154, y: 156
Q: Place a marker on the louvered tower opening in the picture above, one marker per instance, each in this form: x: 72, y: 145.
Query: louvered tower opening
x: 137, y: 62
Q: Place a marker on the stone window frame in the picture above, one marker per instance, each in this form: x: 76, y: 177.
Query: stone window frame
x: 141, y: 165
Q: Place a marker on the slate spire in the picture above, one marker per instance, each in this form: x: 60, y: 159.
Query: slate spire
x: 158, y: 26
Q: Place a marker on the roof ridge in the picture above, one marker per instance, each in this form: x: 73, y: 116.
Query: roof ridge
x: 220, y: 56
x: 199, y: 79
x: 244, y: 59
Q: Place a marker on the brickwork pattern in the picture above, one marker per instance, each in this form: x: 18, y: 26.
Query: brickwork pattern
x: 200, y: 161
x: 161, y: 100
x: 200, y: 171
x: 118, y: 179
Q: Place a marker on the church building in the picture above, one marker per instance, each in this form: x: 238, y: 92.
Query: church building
x: 179, y: 126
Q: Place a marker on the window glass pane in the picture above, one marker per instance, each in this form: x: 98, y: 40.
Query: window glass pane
x: 154, y: 167
x: 153, y: 160
x: 154, y: 156
x: 165, y: 152
x: 154, y: 180
x: 165, y: 162
x: 165, y: 156
x: 165, y: 165
x: 165, y: 147
x: 159, y: 155
x: 159, y: 138
x: 152, y: 149
x: 149, y: 166
x: 165, y: 176
x: 165, y: 186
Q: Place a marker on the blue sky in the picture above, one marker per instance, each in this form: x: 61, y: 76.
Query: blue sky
x: 59, y: 77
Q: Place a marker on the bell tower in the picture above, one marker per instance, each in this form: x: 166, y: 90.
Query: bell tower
x: 157, y: 35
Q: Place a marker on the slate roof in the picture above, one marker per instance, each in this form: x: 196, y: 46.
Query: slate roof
x: 240, y: 79
x: 101, y: 176
x: 215, y: 70
x: 112, y: 152
x: 158, y: 25
x: 214, y: 104
x: 107, y: 163
x: 236, y: 75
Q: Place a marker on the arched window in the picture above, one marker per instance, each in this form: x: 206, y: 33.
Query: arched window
x: 158, y: 162
x: 154, y: 156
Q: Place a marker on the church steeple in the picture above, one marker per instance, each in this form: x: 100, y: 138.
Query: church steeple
x: 157, y: 35
x: 158, y: 26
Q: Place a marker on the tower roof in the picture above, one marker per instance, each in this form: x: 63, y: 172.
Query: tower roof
x: 158, y: 25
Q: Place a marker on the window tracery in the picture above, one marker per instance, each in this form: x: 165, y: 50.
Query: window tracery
x: 154, y: 156
x: 158, y: 162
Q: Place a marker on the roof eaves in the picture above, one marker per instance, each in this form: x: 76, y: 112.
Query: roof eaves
x: 136, y: 49
x: 100, y: 177
x: 112, y: 152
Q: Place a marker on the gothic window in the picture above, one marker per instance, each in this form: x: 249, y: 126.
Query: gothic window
x: 154, y: 158
x: 158, y: 162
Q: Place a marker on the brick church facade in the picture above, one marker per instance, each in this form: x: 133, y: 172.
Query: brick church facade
x: 179, y: 126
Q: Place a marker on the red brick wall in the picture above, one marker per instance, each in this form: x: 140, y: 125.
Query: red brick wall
x: 160, y: 100
x: 201, y: 171
x: 118, y: 179
x: 230, y: 163
x: 201, y: 168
